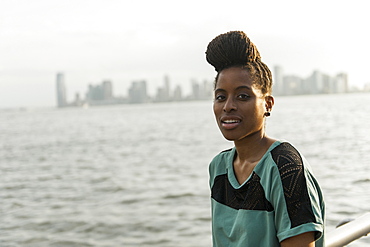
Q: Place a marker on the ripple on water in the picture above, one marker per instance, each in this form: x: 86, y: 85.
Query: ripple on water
x: 89, y: 178
x: 362, y: 181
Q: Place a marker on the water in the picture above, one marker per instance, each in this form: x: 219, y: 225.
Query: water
x: 137, y: 175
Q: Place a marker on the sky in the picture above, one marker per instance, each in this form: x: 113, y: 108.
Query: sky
x: 124, y: 41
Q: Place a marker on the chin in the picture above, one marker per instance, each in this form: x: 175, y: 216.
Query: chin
x: 230, y: 138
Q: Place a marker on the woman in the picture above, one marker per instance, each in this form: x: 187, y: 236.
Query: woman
x: 263, y: 191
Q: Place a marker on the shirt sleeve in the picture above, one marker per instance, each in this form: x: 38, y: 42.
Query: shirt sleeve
x: 296, y: 196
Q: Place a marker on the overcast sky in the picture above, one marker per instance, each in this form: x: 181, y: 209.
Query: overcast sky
x: 93, y: 40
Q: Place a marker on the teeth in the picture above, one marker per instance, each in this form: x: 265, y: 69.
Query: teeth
x: 231, y: 121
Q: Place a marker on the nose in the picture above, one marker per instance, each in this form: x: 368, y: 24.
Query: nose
x: 229, y: 105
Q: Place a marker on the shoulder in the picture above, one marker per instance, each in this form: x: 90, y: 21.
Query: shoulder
x: 223, y: 155
x: 291, y: 170
x: 219, y: 163
x: 286, y: 156
x: 226, y: 151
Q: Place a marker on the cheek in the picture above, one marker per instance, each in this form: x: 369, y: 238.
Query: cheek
x: 215, y: 109
x: 262, y: 107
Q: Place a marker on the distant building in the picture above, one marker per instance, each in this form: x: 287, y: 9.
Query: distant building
x: 177, y: 93
x: 341, y: 83
x: 101, y: 94
x: 61, y: 91
x: 167, y: 96
x: 138, y: 92
x: 316, y: 83
x: 163, y: 93
x: 107, y: 90
x: 94, y: 93
x: 201, y: 91
x: 195, y: 90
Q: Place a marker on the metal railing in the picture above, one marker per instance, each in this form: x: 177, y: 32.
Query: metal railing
x: 349, y: 232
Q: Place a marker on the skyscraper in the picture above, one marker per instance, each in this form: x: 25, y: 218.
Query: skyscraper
x: 137, y: 92
x: 107, y: 90
x: 61, y: 91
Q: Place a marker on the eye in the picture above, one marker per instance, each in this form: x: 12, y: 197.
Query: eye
x: 243, y: 96
x: 220, y: 97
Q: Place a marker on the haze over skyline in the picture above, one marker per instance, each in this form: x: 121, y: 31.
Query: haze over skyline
x: 124, y: 41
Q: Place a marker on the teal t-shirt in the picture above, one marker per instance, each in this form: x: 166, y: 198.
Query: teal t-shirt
x: 280, y: 199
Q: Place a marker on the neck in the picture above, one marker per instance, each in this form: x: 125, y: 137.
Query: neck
x: 251, y: 149
x: 249, y: 152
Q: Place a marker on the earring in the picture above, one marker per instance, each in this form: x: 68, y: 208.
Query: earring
x: 267, y: 114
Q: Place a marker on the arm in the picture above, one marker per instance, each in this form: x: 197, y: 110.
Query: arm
x: 306, y: 239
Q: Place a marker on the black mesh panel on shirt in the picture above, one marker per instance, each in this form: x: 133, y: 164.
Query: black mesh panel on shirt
x: 250, y: 196
x: 291, y: 170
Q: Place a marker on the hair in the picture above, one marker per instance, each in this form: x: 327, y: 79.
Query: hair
x: 234, y: 49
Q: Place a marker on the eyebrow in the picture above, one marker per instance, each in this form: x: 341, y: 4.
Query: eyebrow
x: 238, y: 88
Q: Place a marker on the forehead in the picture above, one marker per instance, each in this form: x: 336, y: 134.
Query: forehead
x: 233, y: 78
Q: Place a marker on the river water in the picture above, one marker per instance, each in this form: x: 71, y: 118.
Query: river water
x: 137, y: 175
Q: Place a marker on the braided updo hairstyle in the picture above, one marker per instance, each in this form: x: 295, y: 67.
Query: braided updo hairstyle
x: 234, y: 49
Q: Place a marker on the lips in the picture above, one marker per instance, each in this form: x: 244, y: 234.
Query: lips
x: 230, y: 122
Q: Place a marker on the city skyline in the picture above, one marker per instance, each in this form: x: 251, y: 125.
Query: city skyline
x: 137, y: 93
x: 317, y: 82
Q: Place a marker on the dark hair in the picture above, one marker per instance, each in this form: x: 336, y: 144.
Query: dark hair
x: 234, y: 49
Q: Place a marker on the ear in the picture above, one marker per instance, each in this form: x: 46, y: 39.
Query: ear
x: 269, y: 102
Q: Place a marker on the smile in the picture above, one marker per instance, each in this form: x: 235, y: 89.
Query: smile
x: 231, y: 121
x: 229, y: 124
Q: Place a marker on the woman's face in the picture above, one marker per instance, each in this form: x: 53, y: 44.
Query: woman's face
x: 239, y: 105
